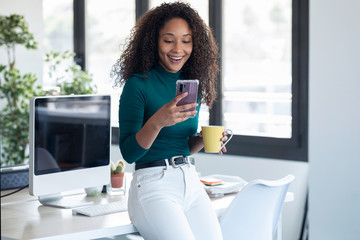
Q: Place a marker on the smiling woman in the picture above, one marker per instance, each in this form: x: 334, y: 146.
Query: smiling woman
x: 175, y: 45
x: 169, y: 42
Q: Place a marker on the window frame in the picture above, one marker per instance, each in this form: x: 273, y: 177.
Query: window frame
x: 295, y: 148
x: 79, y: 9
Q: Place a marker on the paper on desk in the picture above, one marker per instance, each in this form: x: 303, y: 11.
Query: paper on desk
x: 211, y: 181
x: 231, y: 184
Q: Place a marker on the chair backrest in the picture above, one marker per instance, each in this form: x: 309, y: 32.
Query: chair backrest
x: 255, y: 210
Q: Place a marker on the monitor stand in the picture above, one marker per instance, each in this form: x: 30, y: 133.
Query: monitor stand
x: 68, y: 201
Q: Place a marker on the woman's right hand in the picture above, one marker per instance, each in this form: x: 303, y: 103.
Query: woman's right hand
x: 170, y: 114
x: 167, y: 115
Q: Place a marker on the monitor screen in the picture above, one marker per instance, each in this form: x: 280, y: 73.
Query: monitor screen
x: 69, y: 143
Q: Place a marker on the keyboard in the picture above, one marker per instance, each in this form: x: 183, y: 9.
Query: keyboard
x: 101, y: 209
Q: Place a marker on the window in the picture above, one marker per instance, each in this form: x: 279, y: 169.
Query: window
x: 58, y: 25
x: 263, y: 90
x: 95, y: 32
x: 58, y: 30
x: 257, y: 67
x: 107, y: 27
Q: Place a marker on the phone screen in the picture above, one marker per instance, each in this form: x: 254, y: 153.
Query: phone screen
x: 190, y: 86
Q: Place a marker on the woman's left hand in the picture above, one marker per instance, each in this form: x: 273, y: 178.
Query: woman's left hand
x: 223, y: 139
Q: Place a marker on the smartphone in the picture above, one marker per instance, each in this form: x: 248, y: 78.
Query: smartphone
x: 190, y: 86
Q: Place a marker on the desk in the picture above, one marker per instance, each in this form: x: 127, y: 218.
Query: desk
x: 28, y: 219
x: 23, y: 217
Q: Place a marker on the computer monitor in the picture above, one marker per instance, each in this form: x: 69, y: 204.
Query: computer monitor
x: 69, y: 147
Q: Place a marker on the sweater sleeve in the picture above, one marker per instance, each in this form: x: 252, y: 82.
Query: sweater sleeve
x: 131, y: 116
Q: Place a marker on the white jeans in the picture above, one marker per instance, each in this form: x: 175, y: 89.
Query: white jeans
x: 167, y: 203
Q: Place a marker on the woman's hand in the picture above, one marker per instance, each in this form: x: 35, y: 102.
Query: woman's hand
x: 167, y: 115
x: 170, y: 114
x: 223, y: 139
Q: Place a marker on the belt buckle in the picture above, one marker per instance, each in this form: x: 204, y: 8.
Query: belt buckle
x: 190, y: 160
x: 173, y: 163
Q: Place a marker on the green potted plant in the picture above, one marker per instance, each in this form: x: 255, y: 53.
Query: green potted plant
x: 16, y: 89
x: 117, y: 174
x: 68, y: 75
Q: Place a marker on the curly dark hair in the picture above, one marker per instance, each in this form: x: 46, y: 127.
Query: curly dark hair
x: 141, y: 52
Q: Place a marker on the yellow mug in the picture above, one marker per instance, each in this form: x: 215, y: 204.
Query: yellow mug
x: 212, y: 138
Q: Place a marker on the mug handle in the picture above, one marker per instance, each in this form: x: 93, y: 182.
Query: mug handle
x: 223, y: 144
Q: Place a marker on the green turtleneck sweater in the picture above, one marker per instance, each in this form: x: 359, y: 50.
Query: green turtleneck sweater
x: 139, y: 100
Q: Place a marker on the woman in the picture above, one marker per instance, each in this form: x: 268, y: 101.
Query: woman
x: 167, y: 200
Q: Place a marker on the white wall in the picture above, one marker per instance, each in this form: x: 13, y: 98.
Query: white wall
x: 334, y: 120
x: 27, y: 61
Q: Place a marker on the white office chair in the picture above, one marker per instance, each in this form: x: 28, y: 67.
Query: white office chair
x: 255, y: 210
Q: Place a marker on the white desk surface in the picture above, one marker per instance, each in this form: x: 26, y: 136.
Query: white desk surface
x: 28, y: 219
x: 23, y: 217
